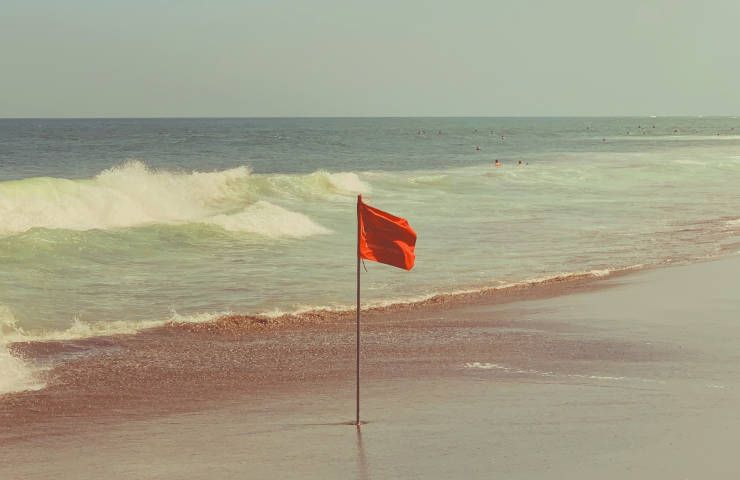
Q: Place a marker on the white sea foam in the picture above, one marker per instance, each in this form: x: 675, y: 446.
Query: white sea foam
x: 428, y: 179
x: 529, y: 371
x: 347, y: 183
x: 126, y: 196
x: 417, y: 299
x: 316, y: 185
x: 81, y: 329
x: 15, y: 374
x: 540, y: 373
x: 133, y: 195
x: 269, y: 220
x: 674, y: 138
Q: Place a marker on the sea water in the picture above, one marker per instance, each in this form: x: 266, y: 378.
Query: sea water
x: 111, y: 226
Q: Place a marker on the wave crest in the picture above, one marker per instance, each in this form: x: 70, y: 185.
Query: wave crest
x: 269, y: 220
x: 134, y: 195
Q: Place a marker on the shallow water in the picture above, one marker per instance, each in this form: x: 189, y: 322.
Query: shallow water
x: 109, y: 226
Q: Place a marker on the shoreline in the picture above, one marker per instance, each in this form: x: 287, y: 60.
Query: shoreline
x: 77, y: 384
x: 604, y: 368
x: 504, y: 293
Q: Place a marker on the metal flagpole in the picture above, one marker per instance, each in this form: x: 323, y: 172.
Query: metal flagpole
x: 357, y: 418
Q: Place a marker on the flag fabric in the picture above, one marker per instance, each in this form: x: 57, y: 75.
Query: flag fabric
x: 385, y: 238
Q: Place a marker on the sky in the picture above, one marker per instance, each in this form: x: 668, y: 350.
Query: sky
x: 247, y: 58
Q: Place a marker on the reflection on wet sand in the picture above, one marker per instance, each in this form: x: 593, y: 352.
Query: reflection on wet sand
x: 362, y: 469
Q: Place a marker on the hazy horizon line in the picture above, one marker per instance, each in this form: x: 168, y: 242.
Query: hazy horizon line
x: 349, y: 117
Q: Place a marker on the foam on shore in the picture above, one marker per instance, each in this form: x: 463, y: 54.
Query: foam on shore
x: 15, y: 374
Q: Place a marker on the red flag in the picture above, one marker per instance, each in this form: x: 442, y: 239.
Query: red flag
x: 385, y: 238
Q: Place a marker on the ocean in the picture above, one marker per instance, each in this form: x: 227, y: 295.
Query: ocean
x: 115, y: 225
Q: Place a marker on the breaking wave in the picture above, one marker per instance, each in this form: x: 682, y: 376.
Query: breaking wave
x: 269, y: 220
x: 134, y: 195
x: 15, y: 374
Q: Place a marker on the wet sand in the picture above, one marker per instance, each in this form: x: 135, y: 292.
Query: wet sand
x: 634, y: 376
x: 184, y: 367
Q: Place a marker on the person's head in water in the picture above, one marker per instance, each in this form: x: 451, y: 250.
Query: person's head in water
x: 519, y: 163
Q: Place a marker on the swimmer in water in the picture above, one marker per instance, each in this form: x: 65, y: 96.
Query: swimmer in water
x: 519, y: 163
x: 497, y: 163
x: 477, y: 148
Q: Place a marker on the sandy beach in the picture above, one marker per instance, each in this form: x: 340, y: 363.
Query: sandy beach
x: 629, y: 376
x: 537, y: 205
